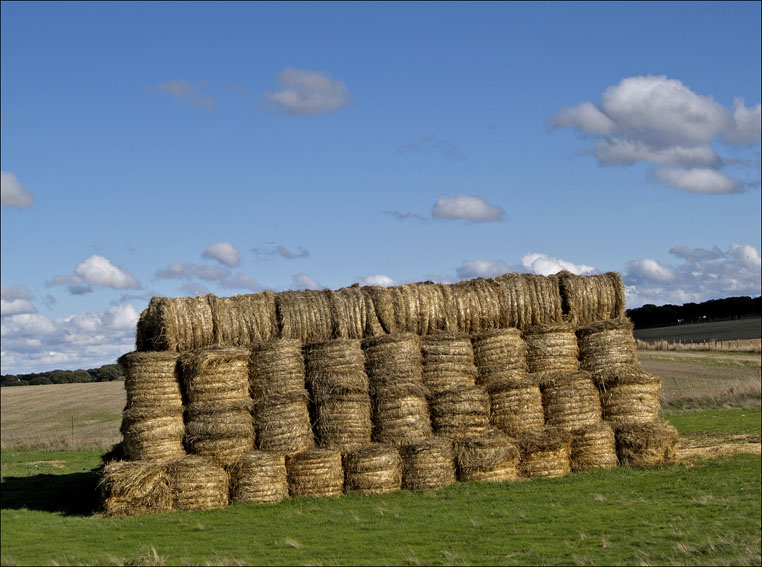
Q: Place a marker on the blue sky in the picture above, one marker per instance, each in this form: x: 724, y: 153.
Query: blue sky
x: 182, y: 148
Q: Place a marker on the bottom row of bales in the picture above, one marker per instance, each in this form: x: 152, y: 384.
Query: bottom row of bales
x: 196, y: 482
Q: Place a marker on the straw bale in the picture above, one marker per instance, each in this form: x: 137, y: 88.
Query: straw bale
x: 129, y: 488
x: 527, y: 299
x: 152, y: 379
x: 570, y: 400
x: 629, y: 395
x: 476, y: 305
x: 432, y: 311
x: 592, y: 447
x: 244, y: 319
x: 591, y: 298
x: 460, y: 412
x: 197, y: 483
x: 259, y: 476
x: 315, y: 472
x: 276, y: 368
x: 551, y: 348
x: 646, y: 444
x: 607, y: 344
x: 220, y: 431
x: 221, y: 450
x: 400, y: 413
x: 335, y: 367
x: 448, y: 361
x: 499, y: 355
x: 373, y: 469
x: 393, y: 359
x: 343, y: 421
x: 352, y: 314
x: 516, y: 406
x: 492, y: 456
x: 428, y: 464
x: 304, y: 315
x: 383, y: 307
x: 283, y: 423
x: 176, y: 324
x: 545, y: 453
x: 153, y: 433
x: 216, y: 374
x: 116, y: 453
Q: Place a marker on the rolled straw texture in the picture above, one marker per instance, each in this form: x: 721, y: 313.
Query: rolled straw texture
x: 197, y: 483
x: 499, y: 355
x: 152, y: 380
x: 176, y: 324
x: 492, y: 456
x: 259, y: 476
x: 448, y: 361
x: 129, y: 488
x: 276, y: 368
x: 244, y: 319
x: 527, y: 300
x: 343, y: 421
x: 605, y: 345
x: 570, y: 400
x: 351, y: 317
x: 646, y: 444
x: 630, y: 395
x: 373, y: 469
x: 283, y: 424
x: 153, y: 434
x: 401, y: 414
x: 551, y: 348
x: 460, y: 412
x: 315, y: 472
x: 428, y: 464
x: 393, y: 359
x: 305, y: 315
x: 516, y: 406
x: 592, y: 298
x: 476, y: 304
x: 545, y: 453
x: 593, y: 447
x: 216, y: 375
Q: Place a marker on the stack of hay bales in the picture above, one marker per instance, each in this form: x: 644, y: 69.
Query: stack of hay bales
x: 412, y: 386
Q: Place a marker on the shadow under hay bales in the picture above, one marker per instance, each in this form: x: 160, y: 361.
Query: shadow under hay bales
x: 72, y: 494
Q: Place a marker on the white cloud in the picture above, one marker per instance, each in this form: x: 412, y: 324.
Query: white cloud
x: 12, y: 193
x: 696, y: 180
x: 544, y: 265
x: 189, y: 94
x: 628, y: 152
x: 377, y: 279
x: 748, y: 123
x: 224, y: 252
x: 18, y: 292
x: 187, y: 270
x: 281, y: 251
x: 467, y: 207
x: 303, y: 281
x: 16, y: 307
x: 309, y: 92
x: 584, y: 117
x: 701, y: 275
x: 95, y: 270
x: 242, y: 281
x: 481, y: 269
x: 34, y: 343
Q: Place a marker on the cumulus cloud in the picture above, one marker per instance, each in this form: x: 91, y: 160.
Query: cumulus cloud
x: 95, y: 270
x: 242, y: 281
x: 303, y: 281
x: 34, y: 343
x: 467, y: 207
x: 429, y: 144
x: 224, y: 252
x: 189, y: 94
x: 700, y: 275
x: 188, y: 270
x: 482, y: 269
x: 544, y: 265
x: 660, y: 121
x: 377, y: 279
x: 309, y: 93
x: 280, y: 251
x: 12, y: 193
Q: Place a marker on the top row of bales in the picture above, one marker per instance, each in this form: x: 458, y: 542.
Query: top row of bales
x: 471, y: 306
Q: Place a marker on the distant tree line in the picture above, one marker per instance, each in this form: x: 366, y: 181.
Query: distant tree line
x: 713, y: 310
x: 105, y: 373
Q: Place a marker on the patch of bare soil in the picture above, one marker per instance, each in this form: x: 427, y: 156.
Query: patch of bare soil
x: 712, y: 446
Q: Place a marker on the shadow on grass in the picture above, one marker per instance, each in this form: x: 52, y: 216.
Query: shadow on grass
x: 72, y: 494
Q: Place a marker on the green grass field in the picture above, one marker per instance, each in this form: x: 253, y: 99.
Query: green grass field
x: 697, y: 512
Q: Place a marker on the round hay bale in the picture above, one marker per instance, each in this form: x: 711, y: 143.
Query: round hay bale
x: 515, y: 303
x: 259, y: 476
x: 432, y: 312
x: 545, y: 453
x: 401, y: 413
x: 591, y: 298
x: 216, y: 374
x: 130, y: 488
x: 335, y: 367
x: 197, y: 483
x: 570, y: 400
x: 382, y: 305
x: 222, y: 431
x: 460, y: 412
x: 177, y: 324
x: 283, y: 424
x: 629, y: 395
x: 152, y: 380
x: 428, y: 464
x: 343, y: 421
x: 605, y: 345
x: 448, y: 361
x: 315, y: 472
x: 393, y: 359
x: 477, y: 305
x: 276, y: 368
x: 153, y: 433
x: 492, y: 456
x: 516, y: 406
x: 244, y: 319
x: 551, y: 348
x: 373, y: 469
x: 499, y: 355
x: 352, y: 314
x: 646, y: 444
x: 593, y: 447
x: 304, y: 315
